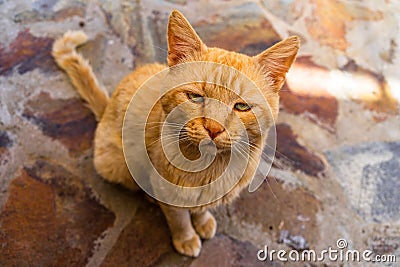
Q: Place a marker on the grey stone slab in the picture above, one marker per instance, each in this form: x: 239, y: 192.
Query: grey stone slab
x: 370, y: 175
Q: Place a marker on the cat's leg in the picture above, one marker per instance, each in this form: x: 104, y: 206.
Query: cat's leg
x: 204, y: 223
x: 184, y: 237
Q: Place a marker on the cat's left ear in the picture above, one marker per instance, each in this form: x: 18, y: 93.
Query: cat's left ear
x: 276, y: 60
x: 183, y: 41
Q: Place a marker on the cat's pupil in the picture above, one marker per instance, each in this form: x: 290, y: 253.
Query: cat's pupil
x: 242, y: 107
x: 196, y: 98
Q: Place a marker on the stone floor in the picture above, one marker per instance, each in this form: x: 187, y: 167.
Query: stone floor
x: 338, y: 162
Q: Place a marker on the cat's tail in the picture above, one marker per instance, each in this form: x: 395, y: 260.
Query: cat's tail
x: 79, y: 71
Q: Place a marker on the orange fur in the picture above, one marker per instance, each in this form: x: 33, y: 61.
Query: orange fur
x: 79, y: 71
x: 267, y: 70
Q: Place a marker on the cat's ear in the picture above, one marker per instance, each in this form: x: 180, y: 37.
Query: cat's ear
x: 183, y: 41
x: 276, y: 60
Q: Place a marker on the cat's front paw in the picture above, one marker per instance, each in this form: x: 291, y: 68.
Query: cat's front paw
x: 206, y: 226
x: 190, y: 247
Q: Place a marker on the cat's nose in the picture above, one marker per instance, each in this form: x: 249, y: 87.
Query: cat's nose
x: 213, y: 127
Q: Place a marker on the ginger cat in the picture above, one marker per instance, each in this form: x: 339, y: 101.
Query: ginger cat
x: 267, y: 70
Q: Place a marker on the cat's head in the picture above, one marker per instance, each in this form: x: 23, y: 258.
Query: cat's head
x: 224, y: 108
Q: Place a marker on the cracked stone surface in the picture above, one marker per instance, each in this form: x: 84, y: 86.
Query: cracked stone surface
x: 337, y: 168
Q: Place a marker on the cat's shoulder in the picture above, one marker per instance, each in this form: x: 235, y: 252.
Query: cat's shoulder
x: 142, y: 73
x: 131, y: 82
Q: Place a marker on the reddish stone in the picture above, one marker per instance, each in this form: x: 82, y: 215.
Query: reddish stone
x: 143, y: 241
x: 73, y: 11
x: 318, y: 109
x: 384, y: 104
x: 299, y: 157
x: 226, y: 251
x: 305, y: 93
x: 327, y: 24
x: 381, y: 101
x: 277, y: 208
x: 50, y: 219
x: 27, y: 52
x: 66, y: 120
x: 252, y: 37
x: 146, y: 241
x: 307, y: 61
x: 46, y: 14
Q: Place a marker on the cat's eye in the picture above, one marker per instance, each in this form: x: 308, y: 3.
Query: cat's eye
x: 242, y: 107
x: 196, y: 98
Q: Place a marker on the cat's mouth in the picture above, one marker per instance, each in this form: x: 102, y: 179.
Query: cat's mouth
x: 207, y: 145
x: 204, y: 140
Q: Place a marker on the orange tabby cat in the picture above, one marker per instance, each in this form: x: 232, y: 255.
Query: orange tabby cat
x: 267, y: 70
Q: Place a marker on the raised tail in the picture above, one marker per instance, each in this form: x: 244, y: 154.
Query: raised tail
x: 79, y: 71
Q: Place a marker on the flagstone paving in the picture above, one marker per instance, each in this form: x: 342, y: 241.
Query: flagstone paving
x: 337, y: 169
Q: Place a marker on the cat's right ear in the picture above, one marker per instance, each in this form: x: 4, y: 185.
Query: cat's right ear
x: 183, y: 41
x: 276, y: 60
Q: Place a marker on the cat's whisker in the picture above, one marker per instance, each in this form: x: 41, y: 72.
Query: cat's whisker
x: 164, y: 137
x: 164, y: 125
x: 160, y: 48
x: 173, y: 136
x: 162, y: 122
x: 275, y: 161
x: 259, y: 149
x: 279, y: 164
x: 173, y: 142
x: 270, y: 187
x: 196, y: 136
x: 164, y: 140
x: 153, y: 143
x: 267, y: 159
x: 265, y: 178
x: 277, y: 152
x: 187, y: 144
x: 285, y: 157
x: 158, y: 122
x: 165, y: 130
x: 246, y: 155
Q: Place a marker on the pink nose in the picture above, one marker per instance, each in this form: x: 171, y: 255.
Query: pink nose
x: 213, y: 128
